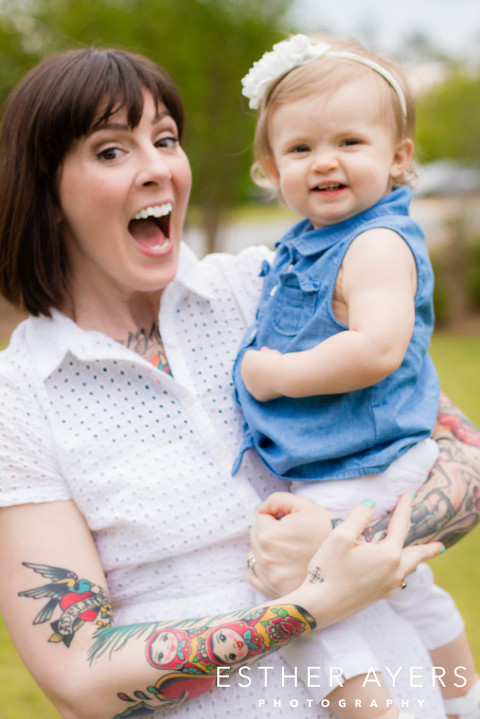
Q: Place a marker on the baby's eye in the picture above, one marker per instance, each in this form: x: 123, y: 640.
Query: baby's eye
x: 350, y: 141
x: 110, y: 153
x: 299, y: 148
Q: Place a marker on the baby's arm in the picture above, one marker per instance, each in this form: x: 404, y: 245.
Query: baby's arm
x: 377, y: 283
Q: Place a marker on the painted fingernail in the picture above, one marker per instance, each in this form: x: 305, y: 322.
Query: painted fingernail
x: 442, y: 550
x: 369, y: 502
x: 414, y: 494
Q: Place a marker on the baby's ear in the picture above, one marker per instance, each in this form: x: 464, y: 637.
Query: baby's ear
x: 402, y: 157
x: 272, y: 168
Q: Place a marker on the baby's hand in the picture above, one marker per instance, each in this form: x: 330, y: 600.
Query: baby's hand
x: 259, y: 371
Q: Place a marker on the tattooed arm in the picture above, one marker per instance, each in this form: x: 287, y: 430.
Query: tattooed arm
x: 54, y: 602
x: 448, y: 504
x: 446, y: 507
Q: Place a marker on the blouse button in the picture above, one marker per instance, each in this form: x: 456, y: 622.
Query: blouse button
x: 220, y: 452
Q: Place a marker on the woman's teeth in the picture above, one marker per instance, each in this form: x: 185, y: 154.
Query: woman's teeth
x: 154, y: 211
x: 163, y: 246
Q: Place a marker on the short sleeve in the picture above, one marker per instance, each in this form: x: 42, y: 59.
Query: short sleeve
x: 28, y: 471
x: 244, y: 274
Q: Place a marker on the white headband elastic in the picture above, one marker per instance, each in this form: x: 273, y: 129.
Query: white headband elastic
x: 296, y: 51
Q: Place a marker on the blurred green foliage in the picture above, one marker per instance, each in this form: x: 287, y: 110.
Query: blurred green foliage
x: 449, y: 119
x: 448, y: 126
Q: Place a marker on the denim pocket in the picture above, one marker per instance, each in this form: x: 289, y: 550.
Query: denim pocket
x: 293, y: 307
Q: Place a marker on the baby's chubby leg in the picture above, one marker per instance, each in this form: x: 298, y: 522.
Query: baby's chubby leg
x: 457, y: 653
x: 357, y: 699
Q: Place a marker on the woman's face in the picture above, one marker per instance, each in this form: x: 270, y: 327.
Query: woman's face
x: 123, y: 195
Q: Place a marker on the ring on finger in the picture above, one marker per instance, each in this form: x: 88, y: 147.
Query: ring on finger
x: 403, y: 583
x: 251, y: 562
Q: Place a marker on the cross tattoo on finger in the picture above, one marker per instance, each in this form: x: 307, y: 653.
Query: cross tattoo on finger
x: 315, y: 576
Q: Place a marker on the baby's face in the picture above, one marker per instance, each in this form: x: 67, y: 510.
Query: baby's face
x: 334, y: 153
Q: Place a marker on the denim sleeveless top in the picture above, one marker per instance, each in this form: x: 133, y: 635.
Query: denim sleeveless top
x: 342, y: 435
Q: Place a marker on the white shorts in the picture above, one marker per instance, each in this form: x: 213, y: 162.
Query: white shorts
x: 407, y: 473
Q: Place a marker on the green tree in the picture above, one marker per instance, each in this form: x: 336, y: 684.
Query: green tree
x: 207, y: 46
x: 449, y: 128
x: 449, y: 119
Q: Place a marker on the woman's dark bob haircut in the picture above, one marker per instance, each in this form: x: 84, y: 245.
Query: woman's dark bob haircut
x: 58, y: 101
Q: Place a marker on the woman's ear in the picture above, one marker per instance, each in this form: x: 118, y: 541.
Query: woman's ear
x: 402, y: 157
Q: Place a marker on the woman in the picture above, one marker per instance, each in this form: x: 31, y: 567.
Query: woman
x: 96, y: 483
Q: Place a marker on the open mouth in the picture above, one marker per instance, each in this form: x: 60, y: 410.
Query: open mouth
x: 150, y: 228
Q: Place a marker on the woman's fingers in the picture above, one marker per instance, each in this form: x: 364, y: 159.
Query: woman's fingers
x: 400, y: 521
x: 414, y: 554
x: 284, y: 538
x: 358, y: 519
x: 282, y: 503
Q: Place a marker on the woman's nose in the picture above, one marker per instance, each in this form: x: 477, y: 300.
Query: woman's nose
x: 153, y: 168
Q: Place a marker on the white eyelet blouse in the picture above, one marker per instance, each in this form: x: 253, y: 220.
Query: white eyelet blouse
x: 147, y: 459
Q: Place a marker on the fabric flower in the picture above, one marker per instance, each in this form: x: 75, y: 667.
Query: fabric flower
x: 285, y: 55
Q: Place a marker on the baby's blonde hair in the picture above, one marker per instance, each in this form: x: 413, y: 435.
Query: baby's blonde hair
x: 325, y: 75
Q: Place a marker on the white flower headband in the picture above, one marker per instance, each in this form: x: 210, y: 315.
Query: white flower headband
x: 296, y: 51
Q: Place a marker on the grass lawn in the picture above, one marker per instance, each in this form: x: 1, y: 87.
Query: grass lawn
x: 458, y: 364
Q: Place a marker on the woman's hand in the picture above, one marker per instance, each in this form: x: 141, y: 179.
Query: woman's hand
x: 345, y: 574
x: 287, y: 531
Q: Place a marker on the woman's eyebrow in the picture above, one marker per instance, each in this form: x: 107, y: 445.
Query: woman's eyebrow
x: 160, y: 115
x: 111, y: 125
x: 107, y: 125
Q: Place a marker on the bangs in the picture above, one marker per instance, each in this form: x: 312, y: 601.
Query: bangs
x: 85, y: 88
x: 111, y: 81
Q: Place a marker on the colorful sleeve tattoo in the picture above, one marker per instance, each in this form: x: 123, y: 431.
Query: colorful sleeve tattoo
x: 189, y: 655
x: 448, y: 504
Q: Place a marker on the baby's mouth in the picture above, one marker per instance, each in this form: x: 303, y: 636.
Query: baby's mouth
x: 329, y: 187
x: 150, y: 227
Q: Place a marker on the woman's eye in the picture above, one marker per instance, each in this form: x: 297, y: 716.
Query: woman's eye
x: 169, y: 142
x: 110, y: 153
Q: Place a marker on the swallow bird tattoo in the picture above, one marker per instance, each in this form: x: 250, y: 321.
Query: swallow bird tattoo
x: 77, y: 600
